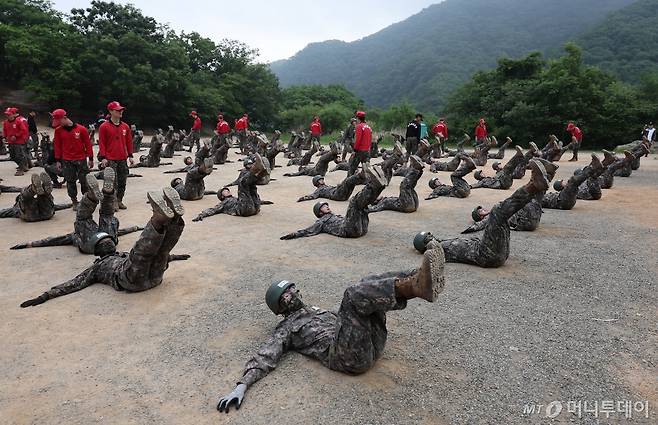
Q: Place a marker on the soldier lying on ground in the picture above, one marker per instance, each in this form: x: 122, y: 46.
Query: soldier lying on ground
x: 142, y: 268
x: 355, y: 222
x: 460, y: 188
x: 492, y: 249
x: 503, y: 179
x: 612, y: 164
x: 501, y: 150
x: 35, y: 202
x: 321, y: 167
x: 566, y: 196
x: 194, y: 187
x: 407, y: 201
x: 350, y: 340
x: 90, y: 237
x: 341, y: 192
x: 248, y: 202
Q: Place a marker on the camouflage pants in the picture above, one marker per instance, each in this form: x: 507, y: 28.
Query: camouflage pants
x: 528, y: 218
x: 389, y: 164
x: 590, y: 190
x: 320, y: 168
x: 347, y: 148
x: 18, y: 154
x: 446, y: 166
x: 459, y: 189
x: 248, y: 199
x: 74, y: 171
x: 121, y: 169
x: 194, y: 187
x: 492, y: 249
x: 358, y: 157
x: 8, y: 189
x: 567, y: 197
x: 220, y: 150
x: 411, y: 146
x: 53, y: 173
x: 242, y: 137
x: 195, y: 138
x: 356, y: 219
x: 407, y: 202
x: 344, y: 189
x: 361, y: 323
x: 31, y: 207
x: 85, y: 226
x: 139, y: 270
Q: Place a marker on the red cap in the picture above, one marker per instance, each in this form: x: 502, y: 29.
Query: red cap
x: 115, y: 106
x: 193, y: 114
x: 245, y: 114
x: 570, y: 126
x: 11, y: 111
x: 57, y: 115
x: 481, y: 120
x: 220, y: 116
x: 360, y: 114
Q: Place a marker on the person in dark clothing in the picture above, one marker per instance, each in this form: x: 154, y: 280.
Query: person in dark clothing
x: 412, y: 136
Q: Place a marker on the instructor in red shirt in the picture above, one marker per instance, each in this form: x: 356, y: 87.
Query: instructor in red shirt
x: 73, y: 153
x: 241, y: 126
x: 481, y: 132
x: 440, y: 132
x: 16, y: 132
x: 115, y: 143
x: 195, y: 131
x: 316, y: 129
x: 576, y: 139
x: 362, y: 143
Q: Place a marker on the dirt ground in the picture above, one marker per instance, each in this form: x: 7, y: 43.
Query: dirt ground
x: 570, y: 317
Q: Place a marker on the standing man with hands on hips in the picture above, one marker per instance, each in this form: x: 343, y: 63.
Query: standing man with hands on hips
x: 115, y: 142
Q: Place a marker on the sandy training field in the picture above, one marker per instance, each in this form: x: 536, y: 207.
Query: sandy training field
x: 571, y: 317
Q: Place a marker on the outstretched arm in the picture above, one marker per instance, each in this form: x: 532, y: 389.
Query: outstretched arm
x: 264, y: 361
x: 217, y: 209
x: 51, y: 241
x: 315, y: 229
x: 127, y: 230
x: 310, y: 197
x: 476, y: 227
x: 79, y: 282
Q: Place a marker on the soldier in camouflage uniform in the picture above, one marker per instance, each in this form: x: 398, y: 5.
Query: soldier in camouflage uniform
x: 460, y: 187
x: 171, y: 139
x: 350, y: 340
x: 35, y: 202
x: 640, y: 150
x: 637, y: 152
x: 347, y: 141
x: 274, y: 149
x: 392, y: 159
x: 138, y: 136
x: 566, y: 196
x: 341, y: 192
x: 10, y: 189
x: 519, y: 171
x: 460, y: 147
x: 321, y: 167
x: 248, y: 202
x: 612, y: 164
x: 501, y: 150
x: 503, y: 179
x: 447, y: 166
x: 407, y: 201
x: 492, y: 249
x: 189, y: 165
x: 306, y: 158
x: 590, y: 190
x: 152, y: 159
x: 481, y: 153
x: 220, y: 145
x: 355, y: 222
x: 142, y: 268
x: 90, y: 237
x: 194, y: 187
x: 526, y: 219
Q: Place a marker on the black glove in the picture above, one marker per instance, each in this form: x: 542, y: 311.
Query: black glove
x: 235, y: 396
x: 35, y: 301
x: 197, y: 218
x: 288, y: 236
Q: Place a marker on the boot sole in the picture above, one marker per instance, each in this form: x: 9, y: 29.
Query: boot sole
x: 47, y: 183
x: 539, y: 167
x: 376, y: 174
x: 92, y: 183
x: 208, y: 163
x: 435, y: 259
x: 159, y: 205
x: 108, y: 179
x: 173, y: 200
x: 36, y: 183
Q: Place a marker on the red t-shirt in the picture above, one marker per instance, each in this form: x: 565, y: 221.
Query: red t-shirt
x: 481, y: 132
x: 18, y: 128
x: 577, y: 133
x: 316, y: 128
x: 115, y: 142
x: 72, y: 145
x: 223, y: 127
x: 242, y: 124
x: 197, y: 124
x: 440, y: 129
x: 363, y: 139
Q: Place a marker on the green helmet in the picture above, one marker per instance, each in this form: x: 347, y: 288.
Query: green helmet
x: 496, y: 165
x: 420, y: 241
x: 434, y: 182
x: 274, y: 293
x: 316, y: 180
x: 317, y: 207
x: 175, y: 182
x: 557, y: 185
x: 478, y: 175
x: 475, y: 214
x: 93, y: 244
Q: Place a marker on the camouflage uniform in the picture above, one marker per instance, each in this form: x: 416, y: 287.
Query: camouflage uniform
x: 73, y: 171
x: 275, y: 149
x: 407, y: 202
x: 155, y: 150
x: 342, y: 192
x: 526, y: 219
x: 139, y: 270
x: 446, y: 166
x: 492, y: 250
x: 308, y: 155
x: 348, y: 140
x: 85, y: 228
x: 501, y: 151
x: 10, y: 189
x: 220, y: 146
x: 481, y: 154
x: 606, y: 180
x: 590, y: 190
x: 460, y: 187
x: 355, y: 222
x: 121, y: 169
x: 567, y: 197
x: 320, y: 169
x: 194, y: 187
x: 503, y: 179
x: 348, y: 341
x: 246, y: 204
x: 138, y: 136
x: 31, y: 207
x: 170, y: 144
x: 389, y: 164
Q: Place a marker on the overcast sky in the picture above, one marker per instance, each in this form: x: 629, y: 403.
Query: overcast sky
x: 278, y: 29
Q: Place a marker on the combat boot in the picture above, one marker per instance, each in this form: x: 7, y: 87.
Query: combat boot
x: 47, y: 183
x: 465, y: 166
x: 549, y: 167
x: 172, y: 198
x: 397, y: 149
x: 375, y: 174
x: 538, y: 179
x: 161, y: 211
x: 608, y: 158
x: 628, y: 156
x: 416, y: 162
x: 94, y: 191
x: 37, y: 186
x: 426, y: 282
